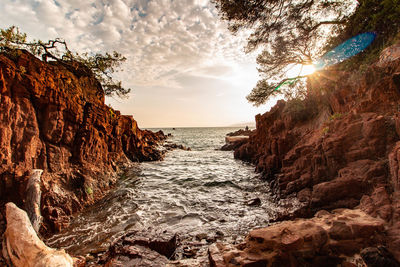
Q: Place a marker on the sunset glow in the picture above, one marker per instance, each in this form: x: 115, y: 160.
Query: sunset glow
x: 300, y: 70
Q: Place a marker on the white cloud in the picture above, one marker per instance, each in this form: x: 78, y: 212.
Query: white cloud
x: 164, y: 40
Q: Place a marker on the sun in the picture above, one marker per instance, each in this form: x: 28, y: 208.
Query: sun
x: 299, y: 70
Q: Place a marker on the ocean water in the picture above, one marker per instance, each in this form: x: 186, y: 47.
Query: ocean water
x: 197, y: 193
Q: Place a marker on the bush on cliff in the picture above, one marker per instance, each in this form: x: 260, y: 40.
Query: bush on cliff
x: 101, y: 65
x: 301, y: 110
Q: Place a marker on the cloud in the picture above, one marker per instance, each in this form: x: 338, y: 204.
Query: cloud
x: 156, y: 35
x: 173, y: 44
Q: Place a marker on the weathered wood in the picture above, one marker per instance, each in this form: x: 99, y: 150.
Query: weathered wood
x: 32, y: 201
x: 24, y: 248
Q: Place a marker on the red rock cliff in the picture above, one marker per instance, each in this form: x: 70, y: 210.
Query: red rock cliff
x: 53, y: 117
x: 338, y: 149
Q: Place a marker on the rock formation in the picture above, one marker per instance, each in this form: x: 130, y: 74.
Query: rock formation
x: 328, y: 239
x: 339, y: 148
x: 54, y: 118
x: 235, y: 139
x: 141, y: 249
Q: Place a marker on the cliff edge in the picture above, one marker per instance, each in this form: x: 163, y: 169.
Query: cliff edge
x: 338, y: 148
x: 53, y: 117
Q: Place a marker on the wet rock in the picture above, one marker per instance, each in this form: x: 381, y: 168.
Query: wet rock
x: 319, y: 241
x: 234, y: 144
x: 141, y: 248
x: 135, y: 256
x: 171, y: 146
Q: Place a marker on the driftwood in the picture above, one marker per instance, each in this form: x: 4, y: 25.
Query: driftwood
x: 32, y: 201
x: 22, y: 247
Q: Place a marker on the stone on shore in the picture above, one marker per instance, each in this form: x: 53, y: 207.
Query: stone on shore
x: 141, y: 249
x: 325, y: 240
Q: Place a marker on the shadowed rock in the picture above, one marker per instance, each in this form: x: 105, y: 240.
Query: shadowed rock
x: 339, y: 148
x: 54, y: 118
x: 142, y: 249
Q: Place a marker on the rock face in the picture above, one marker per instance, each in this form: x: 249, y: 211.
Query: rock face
x: 328, y: 239
x: 54, y: 118
x: 338, y: 149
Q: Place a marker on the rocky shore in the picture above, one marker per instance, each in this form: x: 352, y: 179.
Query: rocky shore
x: 236, y: 139
x: 338, y: 153
x: 54, y: 118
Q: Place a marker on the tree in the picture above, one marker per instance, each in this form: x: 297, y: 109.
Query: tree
x: 101, y: 65
x: 289, y: 32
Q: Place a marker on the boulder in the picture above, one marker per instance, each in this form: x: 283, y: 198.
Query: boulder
x: 326, y: 239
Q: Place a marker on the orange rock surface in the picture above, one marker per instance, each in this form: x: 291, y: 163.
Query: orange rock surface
x: 341, y: 149
x: 53, y: 117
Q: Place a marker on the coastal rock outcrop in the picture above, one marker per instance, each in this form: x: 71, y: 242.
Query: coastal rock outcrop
x: 339, y: 148
x: 328, y: 239
x: 236, y: 139
x: 54, y: 118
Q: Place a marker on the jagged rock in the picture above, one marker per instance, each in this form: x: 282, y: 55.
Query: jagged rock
x: 171, y: 146
x: 23, y: 248
x: 340, y: 149
x: 54, y: 118
x: 232, y: 145
x: 320, y: 241
x: 142, y: 249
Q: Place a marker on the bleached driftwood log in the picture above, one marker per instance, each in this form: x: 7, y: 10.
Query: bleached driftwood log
x: 32, y: 201
x: 22, y: 245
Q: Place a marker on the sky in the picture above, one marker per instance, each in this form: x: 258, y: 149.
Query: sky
x: 184, y: 67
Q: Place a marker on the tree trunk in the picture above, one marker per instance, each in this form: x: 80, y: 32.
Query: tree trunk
x: 24, y: 248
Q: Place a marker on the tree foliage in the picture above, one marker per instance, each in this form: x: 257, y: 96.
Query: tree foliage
x: 289, y: 32
x: 379, y: 16
x: 102, y: 65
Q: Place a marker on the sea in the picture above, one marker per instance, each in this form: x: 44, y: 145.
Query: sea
x: 203, y: 195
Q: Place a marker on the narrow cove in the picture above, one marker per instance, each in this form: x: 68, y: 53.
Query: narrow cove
x: 203, y: 195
